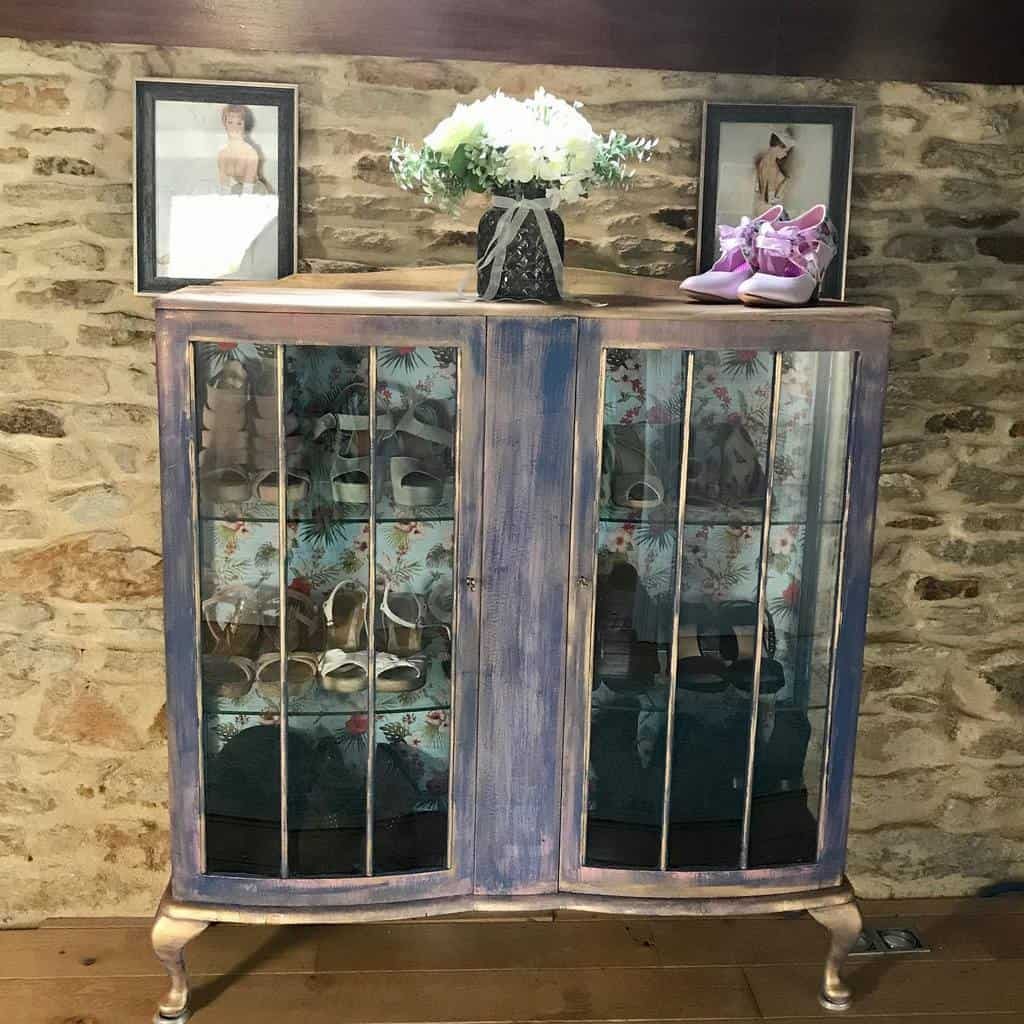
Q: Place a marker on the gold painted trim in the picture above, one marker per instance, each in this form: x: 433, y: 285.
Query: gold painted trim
x: 371, y: 645
x: 748, y: 902
x: 837, y: 613
x: 762, y: 586
x: 590, y: 621
x: 193, y: 459
x: 282, y: 597
x: 677, y: 599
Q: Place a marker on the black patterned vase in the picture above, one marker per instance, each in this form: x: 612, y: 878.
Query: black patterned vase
x: 527, y: 273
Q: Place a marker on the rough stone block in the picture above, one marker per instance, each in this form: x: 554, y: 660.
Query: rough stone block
x: 963, y: 421
x: 1007, y: 248
x: 30, y: 419
x: 929, y: 588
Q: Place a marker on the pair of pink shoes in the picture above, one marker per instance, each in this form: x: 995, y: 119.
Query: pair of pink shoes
x: 769, y: 261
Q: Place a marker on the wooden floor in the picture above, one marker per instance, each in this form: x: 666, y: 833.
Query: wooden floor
x: 570, y: 968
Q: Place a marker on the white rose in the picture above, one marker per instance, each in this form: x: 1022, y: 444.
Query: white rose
x: 580, y: 152
x: 461, y: 125
x: 521, y: 162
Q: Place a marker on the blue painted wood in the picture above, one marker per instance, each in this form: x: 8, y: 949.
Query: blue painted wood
x: 528, y: 439
x: 183, y: 732
x: 176, y: 329
x: 517, y: 537
x: 865, y: 455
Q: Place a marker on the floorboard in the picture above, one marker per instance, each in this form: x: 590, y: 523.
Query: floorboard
x: 582, y: 969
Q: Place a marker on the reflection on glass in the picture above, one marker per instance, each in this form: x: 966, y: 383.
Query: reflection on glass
x: 721, y: 581
x: 414, y: 543
x: 729, y: 432
x: 364, y: 608
x: 802, y: 579
x: 638, y: 512
x: 238, y: 575
x: 327, y: 607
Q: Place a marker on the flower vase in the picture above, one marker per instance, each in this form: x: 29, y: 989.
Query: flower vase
x: 527, y: 273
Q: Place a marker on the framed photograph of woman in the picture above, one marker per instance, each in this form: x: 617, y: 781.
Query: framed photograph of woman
x: 215, y: 182
x: 758, y: 155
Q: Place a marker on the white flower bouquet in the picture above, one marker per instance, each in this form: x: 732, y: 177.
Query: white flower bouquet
x: 541, y: 146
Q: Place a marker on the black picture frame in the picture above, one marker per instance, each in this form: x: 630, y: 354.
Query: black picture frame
x: 147, y: 92
x: 839, y: 117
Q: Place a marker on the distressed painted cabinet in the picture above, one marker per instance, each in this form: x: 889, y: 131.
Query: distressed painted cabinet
x: 473, y: 605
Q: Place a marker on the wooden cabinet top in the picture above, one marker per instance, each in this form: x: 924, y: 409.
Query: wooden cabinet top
x: 434, y: 291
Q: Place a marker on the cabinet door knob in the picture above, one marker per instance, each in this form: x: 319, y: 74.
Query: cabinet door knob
x: 583, y: 581
x: 470, y: 582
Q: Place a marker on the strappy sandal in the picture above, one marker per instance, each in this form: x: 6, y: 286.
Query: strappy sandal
x: 227, y: 418
x: 699, y: 666
x: 343, y: 672
x: 227, y: 677
x: 353, y: 422
x: 634, y: 482
x: 441, y: 601
x: 224, y: 485
x: 742, y: 616
x: 414, y: 484
x: 350, y: 481
x: 403, y: 622
x: 228, y: 391
x: 237, y: 633
x: 345, y: 616
x: 301, y: 671
x: 297, y: 486
x: 424, y: 431
x: 398, y: 675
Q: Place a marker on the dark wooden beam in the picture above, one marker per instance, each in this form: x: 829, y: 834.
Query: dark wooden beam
x: 937, y: 40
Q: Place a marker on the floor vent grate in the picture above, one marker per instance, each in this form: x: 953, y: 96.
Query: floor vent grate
x: 888, y: 941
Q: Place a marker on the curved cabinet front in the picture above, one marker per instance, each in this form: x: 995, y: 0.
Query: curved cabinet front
x: 723, y: 506
x: 323, y: 646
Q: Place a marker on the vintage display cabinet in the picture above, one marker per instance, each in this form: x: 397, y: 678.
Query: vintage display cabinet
x: 475, y: 606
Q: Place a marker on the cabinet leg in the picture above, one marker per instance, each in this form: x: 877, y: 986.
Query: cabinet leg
x: 844, y: 926
x: 170, y: 935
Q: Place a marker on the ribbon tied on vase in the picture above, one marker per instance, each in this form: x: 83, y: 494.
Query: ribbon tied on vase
x: 516, y: 212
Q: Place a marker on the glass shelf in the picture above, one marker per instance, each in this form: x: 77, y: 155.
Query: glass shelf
x: 342, y: 519
x: 702, y: 517
x: 267, y: 710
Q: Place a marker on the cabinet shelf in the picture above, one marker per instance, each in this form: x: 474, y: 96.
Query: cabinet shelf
x: 342, y: 520
x: 704, y: 517
x: 229, y: 708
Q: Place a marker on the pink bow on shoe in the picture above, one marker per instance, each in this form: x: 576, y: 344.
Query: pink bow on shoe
x: 739, y: 237
x: 789, y: 250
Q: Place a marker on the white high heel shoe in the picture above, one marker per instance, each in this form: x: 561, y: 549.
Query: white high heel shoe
x: 736, y: 264
x: 792, y: 257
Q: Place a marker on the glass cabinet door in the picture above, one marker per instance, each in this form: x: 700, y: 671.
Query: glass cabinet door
x: 327, y: 484
x: 716, y: 559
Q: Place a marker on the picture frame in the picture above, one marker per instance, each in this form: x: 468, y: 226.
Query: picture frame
x: 215, y: 182
x: 754, y: 155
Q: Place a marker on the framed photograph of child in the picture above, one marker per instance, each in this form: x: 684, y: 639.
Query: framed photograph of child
x: 215, y: 182
x: 758, y: 155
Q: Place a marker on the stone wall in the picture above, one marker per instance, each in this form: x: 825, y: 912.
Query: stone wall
x: 936, y: 235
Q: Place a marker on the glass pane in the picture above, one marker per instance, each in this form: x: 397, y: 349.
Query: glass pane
x: 414, y: 495
x: 327, y: 445
x: 636, y: 568
x: 802, y: 576
x: 729, y: 432
x: 238, y: 582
